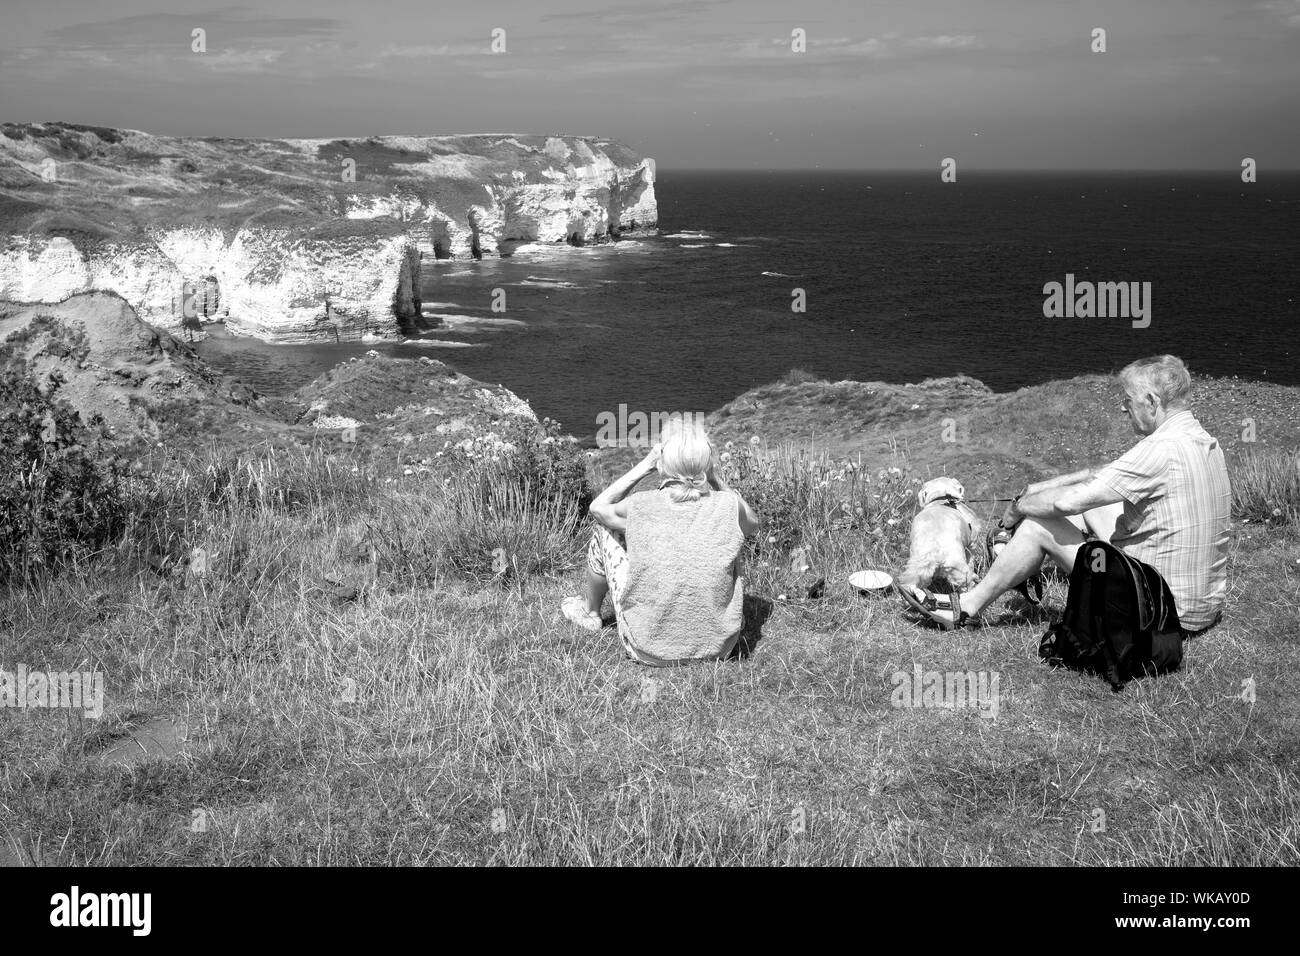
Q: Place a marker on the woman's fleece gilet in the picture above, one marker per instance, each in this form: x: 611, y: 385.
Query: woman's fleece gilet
x: 684, y: 594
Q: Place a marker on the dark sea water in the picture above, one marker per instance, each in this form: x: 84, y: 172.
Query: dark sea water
x: 905, y: 278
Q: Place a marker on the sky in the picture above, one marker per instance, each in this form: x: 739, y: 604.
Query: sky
x: 697, y: 84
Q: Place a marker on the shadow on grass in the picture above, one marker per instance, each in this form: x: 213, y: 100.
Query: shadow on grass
x: 756, y: 612
x: 1020, y: 611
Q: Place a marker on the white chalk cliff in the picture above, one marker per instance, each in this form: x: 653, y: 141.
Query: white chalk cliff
x: 292, y: 240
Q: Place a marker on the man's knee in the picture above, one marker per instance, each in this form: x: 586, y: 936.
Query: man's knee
x: 1058, y: 538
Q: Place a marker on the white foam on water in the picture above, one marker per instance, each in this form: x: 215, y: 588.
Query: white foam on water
x: 688, y: 234
x: 533, y: 252
x: 441, y: 344
x: 694, y: 245
x: 465, y: 321
x: 544, y: 283
x: 725, y: 245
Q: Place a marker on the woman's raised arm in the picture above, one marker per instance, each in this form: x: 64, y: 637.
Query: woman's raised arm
x: 609, y: 508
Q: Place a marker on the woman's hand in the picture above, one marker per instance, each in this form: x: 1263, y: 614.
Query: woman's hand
x: 651, y: 460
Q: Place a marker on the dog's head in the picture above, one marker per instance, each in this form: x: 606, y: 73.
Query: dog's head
x: 937, y: 488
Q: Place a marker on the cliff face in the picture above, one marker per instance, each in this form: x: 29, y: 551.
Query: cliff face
x: 292, y: 240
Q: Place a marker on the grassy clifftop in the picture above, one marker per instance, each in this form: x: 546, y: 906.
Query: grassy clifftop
x: 943, y: 424
x: 367, y: 663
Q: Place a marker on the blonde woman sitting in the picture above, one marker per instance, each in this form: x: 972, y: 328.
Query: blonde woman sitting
x: 675, y: 585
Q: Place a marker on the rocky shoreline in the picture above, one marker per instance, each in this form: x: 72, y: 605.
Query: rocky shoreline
x: 292, y: 241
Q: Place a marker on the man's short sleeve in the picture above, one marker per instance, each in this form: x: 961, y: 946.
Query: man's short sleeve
x: 1137, y: 474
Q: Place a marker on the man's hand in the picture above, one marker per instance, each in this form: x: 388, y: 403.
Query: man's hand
x: 1011, y: 516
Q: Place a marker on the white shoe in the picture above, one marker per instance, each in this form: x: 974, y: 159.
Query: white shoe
x: 575, y: 609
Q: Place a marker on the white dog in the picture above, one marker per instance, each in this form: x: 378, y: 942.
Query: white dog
x: 943, y: 533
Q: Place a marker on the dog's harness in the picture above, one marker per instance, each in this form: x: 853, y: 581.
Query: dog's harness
x: 952, y: 501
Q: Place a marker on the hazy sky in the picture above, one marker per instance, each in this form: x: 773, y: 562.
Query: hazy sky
x: 695, y: 83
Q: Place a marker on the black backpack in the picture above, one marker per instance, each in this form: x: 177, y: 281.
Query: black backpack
x: 1120, y: 620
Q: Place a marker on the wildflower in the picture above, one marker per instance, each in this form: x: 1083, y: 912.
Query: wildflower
x: 754, y: 441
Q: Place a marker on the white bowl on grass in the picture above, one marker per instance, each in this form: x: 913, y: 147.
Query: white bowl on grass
x: 870, y: 581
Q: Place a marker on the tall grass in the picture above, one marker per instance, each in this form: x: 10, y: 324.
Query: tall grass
x: 490, y: 522
x: 834, y: 515
x: 1266, y: 487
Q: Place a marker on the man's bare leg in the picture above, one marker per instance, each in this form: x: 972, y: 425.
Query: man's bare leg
x: 1034, y: 540
x: 1101, y: 521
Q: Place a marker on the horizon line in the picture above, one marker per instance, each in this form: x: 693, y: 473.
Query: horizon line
x: 914, y: 170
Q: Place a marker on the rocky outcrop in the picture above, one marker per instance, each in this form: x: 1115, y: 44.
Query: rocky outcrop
x: 107, y: 362
x: 147, y: 383
x: 292, y: 240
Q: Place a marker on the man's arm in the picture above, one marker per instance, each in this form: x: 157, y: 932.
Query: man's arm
x: 1059, y: 501
x: 1073, y: 478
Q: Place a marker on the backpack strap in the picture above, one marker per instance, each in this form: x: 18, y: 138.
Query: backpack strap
x: 1097, y: 605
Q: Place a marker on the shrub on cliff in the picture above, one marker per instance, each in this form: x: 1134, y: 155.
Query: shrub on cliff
x: 830, y: 514
x: 798, y: 376
x: 62, y: 494
x: 532, y: 457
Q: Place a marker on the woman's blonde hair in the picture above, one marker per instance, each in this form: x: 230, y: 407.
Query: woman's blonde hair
x: 685, y: 458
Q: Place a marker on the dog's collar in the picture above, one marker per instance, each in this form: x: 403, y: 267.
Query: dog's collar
x: 952, y: 501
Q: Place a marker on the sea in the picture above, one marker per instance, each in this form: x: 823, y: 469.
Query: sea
x: 895, y: 277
